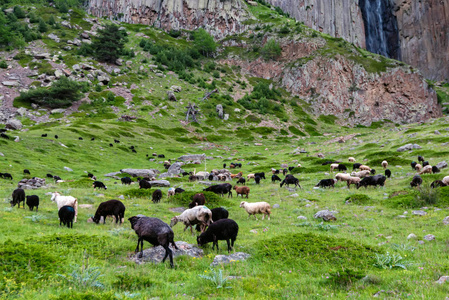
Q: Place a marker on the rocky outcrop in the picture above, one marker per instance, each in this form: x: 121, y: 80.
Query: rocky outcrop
x: 220, y: 18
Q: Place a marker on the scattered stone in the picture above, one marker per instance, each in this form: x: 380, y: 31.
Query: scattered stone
x: 258, y: 144
x: 276, y: 206
x: 442, y: 165
x: 57, y: 111
x: 171, y: 96
x: 33, y: 183
x: 1, y: 154
x: 302, y: 218
x: 10, y: 83
x: 14, y: 124
x: 219, y: 110
x: 421, y: 242
x: 68, y: 169
x: 160, y: 183
x: 226, y: 259
x: 237, y: 110
x: 175, y: 88
x: 419, y: 212
x: 138, y: 172
x: 208, y: 183
x: 429, y: 237
x: 436, y: 132
x: 326, y: 215
x: 156, y: 254
x: 411, y: 236
x: 192, y: 157
x: 294, y: 195
x: 54, y: 37
x: 446, y: 221
x: 442, y: 279
x: 177, y: 209
x: 408, y: 147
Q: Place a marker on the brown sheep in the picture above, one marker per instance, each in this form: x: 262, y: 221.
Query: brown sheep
x: 242, y: 190
x: 353, y: 180
x: 426, y: 170
x: 363, y: 167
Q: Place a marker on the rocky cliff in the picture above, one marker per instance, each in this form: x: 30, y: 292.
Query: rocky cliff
x: 422, y: 27
x: 220, y: 17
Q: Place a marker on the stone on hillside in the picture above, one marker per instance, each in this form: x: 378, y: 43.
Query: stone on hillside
x: 276, y: 206
x: 174, y: 169
x: 411, y: 236
x: 160, y: 183
x: 54, y: 37
x: 208, y: 183
x: 446, y: 221
x: 156, y: 254
x: 68, y: 169
x: 121, y: 197
x: 33, y: 183
x: 320, y: 155
x: 103, y: 79
x: 66, y: 24
x: 21, y: 111
x: 171, y: 96
x: 176, y: 88
x: 10, y: 83
x: 119, y: 62
x: 419, y: 213
x: 429, y: 237
x: 226, y: 117
x: 140, y: 172
x: 14, y: 124
x: 1, y: 154
x: 57, y: 111
x: 326, y: 215
x: 442, y: 165
x: 436, y: 132
x: 58, y: 73
x: 302, y: 218
x: 237, y: 110
x: 226, y: 259
x: 408, y: 147
x: 192, y: 157
x: 219, y: 110
x: 442, y: 279
x: 111, y: 174
x: 41, y: 55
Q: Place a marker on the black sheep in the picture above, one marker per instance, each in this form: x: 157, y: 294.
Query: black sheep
x: 110, y: 208
x: 143, y: 184
x: 224, y: 229
x: 80, y: 138
x: 416, y: 181
x: 26, y: 171
x: 194, y: 178
x: 224, y: 166
x: 66, y: 215
x: 126, y: 180
x: 179, y: 191
x: 7, y: 175
x: 4, y: 136
x: 326, y: 183
x: 242, y: 180
x: 275, y: 178
x: 198, y: 199
x: 341, y: 167
x: 111, y: 145
x: 257, y: 179
x: 413, y: 164
x: 56, y: 178
x: 155, y: 232
x: 211, y: 177
x: 33, y: 201
x: 426, y: 163
x: 44, y: 135
x: 388, y: 173
x: 435, y: 169
x: 90, y: 175
x: 116, y: 141
x: 420, y: 158
x: 437, y: 183
x: 18, y: 195
x: 290, y: 179
x: 290, y: 168
x: 372, y: 180
x: 161, y: 156
x: 92, y: 139
x: 56, y: 136
x: 261, y: 175
x: 133, y: 151
x: 49, y: 175
x: 356, y: 166
x: 284, y: 172
x: 157, y: 196
x: 220, y: 189
x: 99, y: 184
x: 218, y: 213
x: 372, y: 171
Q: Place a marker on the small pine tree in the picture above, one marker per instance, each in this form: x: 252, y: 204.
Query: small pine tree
x: 271, y: 50
x: 42, y: 26
x: 51, y: 20
x: 109, y: 44
x: 18, y: 11
x: 204, y: 42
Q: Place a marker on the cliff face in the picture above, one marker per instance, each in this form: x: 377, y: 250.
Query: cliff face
x: 424, y: 35
x: 219, y: 17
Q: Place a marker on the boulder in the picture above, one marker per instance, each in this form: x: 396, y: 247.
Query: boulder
x: 175, y: 88
x: 160, y: 183
x: 171, y: 96
x: 58, y: 74
x: 429, y: 237
x: 446, y: 221
x: 57, y: 111
x: 103, y: 79
x: 33, y: 183
x: 192, y: 157
x: 442, y: 279
x: 419, y: 213
x: 111, y: 174
x: 156, y: 254
x: 14, y: 124
x: 68, y: 169
x: 21, y: 111
x: 54, y: 37
x: 140, y: 172
x: 219, y: 109
x: 226, y: 259
x: 442, y: 165
x: 408, y: 147
x: 411, y: 236
x: 326, y: 215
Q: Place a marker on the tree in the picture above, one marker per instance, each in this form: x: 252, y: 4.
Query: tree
x: 42, y: 26
x: 204, y: 42
x: 271, y: 50
x: 109, y: 44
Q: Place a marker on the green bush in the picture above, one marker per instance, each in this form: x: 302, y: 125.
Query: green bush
x: 271, y: 50
x: 212, y: 200
x: 109, y: 43
x: 139, y: 193
x: 18, y: 11
x: 359, y: 199
x: 3, y: 64
x: 42, y: 27
x: 344, y: 278
x: 203, y: 42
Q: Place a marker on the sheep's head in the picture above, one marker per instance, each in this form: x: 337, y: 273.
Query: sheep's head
x: 173, y: 221
x: 242, y: 204
x: 54, y: 195
x: 235, y: 187
x: 198, y: 241
x: 133, y: 220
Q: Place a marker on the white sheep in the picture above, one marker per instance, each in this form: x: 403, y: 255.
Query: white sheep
x: 257, y: 208
x: 418, y: 167
x: 202, y: 175
x: 299, y: 166
x: 65, y: 200
x: 353, y: 180
x: 342, y: 177
x: 171, y: 192
x: 351, y: 159
x: 333, y: 167
x: 364, y: 167
x: 426, y: 170
x: 446, y: 180
x: 249, y: 176
x: 361, y: 174
x: 197, y: 215
x: 384, y: 164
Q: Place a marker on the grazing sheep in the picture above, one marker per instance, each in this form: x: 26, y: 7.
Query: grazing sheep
x: 194, y: 178
x: 56, y: 178
x: 220, y: 189
x: 413, y: 165
x: 179, y: 191
x: 44, y: 135
x: 416, y: 181
x: 56, y: 136
x: 388, y: 173
x: 298, y: 166
x: 198, y: 199
x: 238, y: 175
x: 351, y: 159
x: 90, y: 175
x: 99, y: 185
x: 435, y: 169
x: 373, y: 180
x: 143, y: 184
x: 65, y: 200
x: 249, y: 176
x: 257, y: 179
x: 80, y: 138
x: 224, y: 166
x: 257, y: 208
x: 290, y: 168
x: 218, y: 213
x: 341, y: 167
x: 372, y: 171
x: 418, y: 167
x: 353, y: 180
x: 5, y: 136
x: 437, y: 183
x: 275, y: 178
x: 342, y: 177
x: 111, y: 145
x: 420, y: 158
x: 26, y: 171
x: 426, y: 170
x: 426, y: 163
x: 356, y: 166
x: 242, y: 180
x: 157, y: 196
x: 154, y: 231
x: 197, y: 215
x: 290, y: 179
x: 333, y: 167
x: 363, y: 167
x: 161, y: 156
x: 225, y: 229
x: 33, y: 201
x: 49, y: 175
x: 384, y: 164
x: 18, y: 195
x: 7, y: 175
x: 361, y: 174
x: 66, y: 215
x: 110, y: 208
x: 171, y: 192
x: 284, y: 172
x: 261, y: 175
x: 116, y: 141
x: 326, y: 183
x: 126, y: 180
x: 92, y: 139
x: 242, y: 190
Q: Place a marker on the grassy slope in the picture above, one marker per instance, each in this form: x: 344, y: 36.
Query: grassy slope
x: 34, y: 251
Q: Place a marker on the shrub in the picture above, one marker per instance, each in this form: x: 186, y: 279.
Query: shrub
x: 204, y: 42
x: 271, y: 50
x: 3, y: 64
x: 139, y: 193
x: 42, y: 27
x: 18, y: 11
x: 109, y: 44
x: 344, y: 278
x: 212, y: 199
x: 174, y: 33
x: 360, y: 199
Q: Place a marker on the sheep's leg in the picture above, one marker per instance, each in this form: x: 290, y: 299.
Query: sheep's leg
x: 246, y: 195
x: 191, y: 229
x: 255, y: 217
x: 229, y: 246
x: 76, y: 209
x: 268, y: 216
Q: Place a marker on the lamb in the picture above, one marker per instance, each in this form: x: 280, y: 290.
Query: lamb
x: 99, y: 185
x: 161, y: 155
x: 241, y: 180
x: 290, y: 179
x: 333, y: 167
x: 33, y: 201
x: 44, y: 135
x: 418, y: 167
x: 257, y: 208
x: 238, y: 175
x: 426, y: 170
x: 56, y: 178
x: 154, y: 231
x: 417, y: 181
x: 49, y: 175
x: 242, y: 190
x: 66, y: 215
x: 353, y: 180
x: 351, y: 159
x: 126, y: 180
x: 198, y: 199
x: 65, y: 200
x: 326, y: 183
x: 291, y: 168
x: 192, y: 216
x: 224, y: 166
x: 112, y: 207
x: 361, y: 174
x: 26, y: 171
x: 384, y: 164
x: 171, y: 192
x: 257, y: 179
x: 157, y: 196
x: 275, y: 178
x: 18, y: 195
x: 437, y: 183
x: 225, y: 229
x: 388, y: 173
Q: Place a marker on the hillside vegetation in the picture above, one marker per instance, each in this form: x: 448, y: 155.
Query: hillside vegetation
x: 365, y: 252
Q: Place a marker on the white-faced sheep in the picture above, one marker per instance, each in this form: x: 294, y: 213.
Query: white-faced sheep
x: 224, y: 229
x: 333, y: 167
x: 361, y: 174
x: 418, y: 167
x: 298, y: 166
x: 202, y: 175
x: 171, y: 192
x: 342, y: 177
x: 155, y: 232
x: 384, y: 164
x: 65, y: 200
x: 351, y: 159
x: 197, y: 215
x: 257, y: 208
